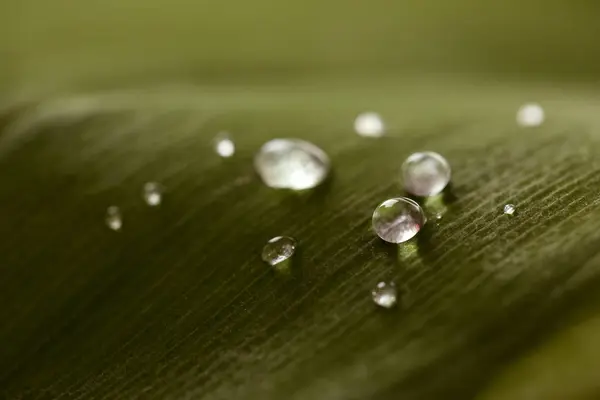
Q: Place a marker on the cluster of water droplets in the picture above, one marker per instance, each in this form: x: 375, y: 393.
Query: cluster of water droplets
x: 295, y: 164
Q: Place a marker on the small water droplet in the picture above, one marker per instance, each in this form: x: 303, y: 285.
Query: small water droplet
x: 426, y: 173
x: 385, y: 294
x: 224, y: 145
x: 113, y: 218
x: 531, y: 114
x: 509, y: 209
x: 152, y: 194
x: 369, y: 124
x: 278, y: 250
x: 398, y: 220
x: 291, y: 164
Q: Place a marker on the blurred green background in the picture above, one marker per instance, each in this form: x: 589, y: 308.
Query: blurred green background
x: 63, y: 42
x: 99, y: 97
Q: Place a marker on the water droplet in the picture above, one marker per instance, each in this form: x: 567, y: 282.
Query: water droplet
x: 152, y: 194
x: 369, y: 124
x: 224, y: 145
x: 113, y: 218
x: 426, y: 173
x: 278, y: 250
x: 291, y: 164
x: 509, y: 209
x: 398, y: 220
x: 531, y: 114
x: 385, y: 294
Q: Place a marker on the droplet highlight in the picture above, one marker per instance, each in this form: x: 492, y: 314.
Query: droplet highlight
x: 385, y: 294
x: 224, y: 145
x: 114, y: 220
x: 291, y: 164
x: 426, y: 174
x: 278, y: 250
x: 398, y: 220
x: 509, y: 209
x: 152, y: 194
x: 530, y: 115
x: 369, y: 124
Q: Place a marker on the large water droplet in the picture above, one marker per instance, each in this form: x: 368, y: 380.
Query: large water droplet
x: 426, y: 173
x: 398, y: 220
x: 152, y: 194
x: 385, y: 294
x: 509, y: 209
x: 531, y: 114
x: 278, y: 250
x: 224, y: 145
x: 113, y: 218
x: 369, y: 124
x: 291, y: 164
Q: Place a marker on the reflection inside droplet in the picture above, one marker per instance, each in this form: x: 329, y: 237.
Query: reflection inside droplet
x: 278, y: 250
x: 425, y: 173
x: 369, y: 124
x: 398, y: 220
x: 152, y: 194
x: 509, y: 209
x: 224, y: 145
x: 291, y: 164
x: 113, y: 218
x: 385, y: 294
x: 531, y: 114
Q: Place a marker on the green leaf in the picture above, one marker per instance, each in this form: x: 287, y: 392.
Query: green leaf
x: 103, y: 97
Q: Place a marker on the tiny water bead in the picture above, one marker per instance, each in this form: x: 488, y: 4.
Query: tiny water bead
x: 291, y: 164
x: 369, y: 124
x: 425, y: 173
x: 113, y: 218
x: 385, y: 294
x: 509, y: 209
x: 531, y: 114
x: 152, y: 194
x: 224, y: 145
x: 398, y: 220
x: 278, y: 250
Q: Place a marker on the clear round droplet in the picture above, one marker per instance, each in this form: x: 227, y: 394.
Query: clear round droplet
x: 425, y: 174
x: 398, y: 220
x: 113, y: 218
x: 531, y: 114
x: 509, y: 209
x: 224, y: 145
x: 369, y: 124
x: 152, y: 194
x: 291, y: 164
x: 385, y: 294
x: 278, y: 250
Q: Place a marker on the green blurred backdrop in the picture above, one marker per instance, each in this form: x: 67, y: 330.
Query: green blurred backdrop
x: 61, y: 43
x: 100, y: 96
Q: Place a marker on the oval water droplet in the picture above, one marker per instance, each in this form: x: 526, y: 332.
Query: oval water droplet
x: 291, y: 164
x: 113, y: 218
x: 369, y: 124
x: 385, y: 294
x: 509, y: 209
x: 531, y: 114
x: 224, y: 145
x: 152, y: 194
x: 278, y: 250
x: 426, y: 173
x: 398, y: 220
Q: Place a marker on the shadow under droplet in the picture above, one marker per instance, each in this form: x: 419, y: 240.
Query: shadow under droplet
x: 290, y: 269
x: 435, y: 207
